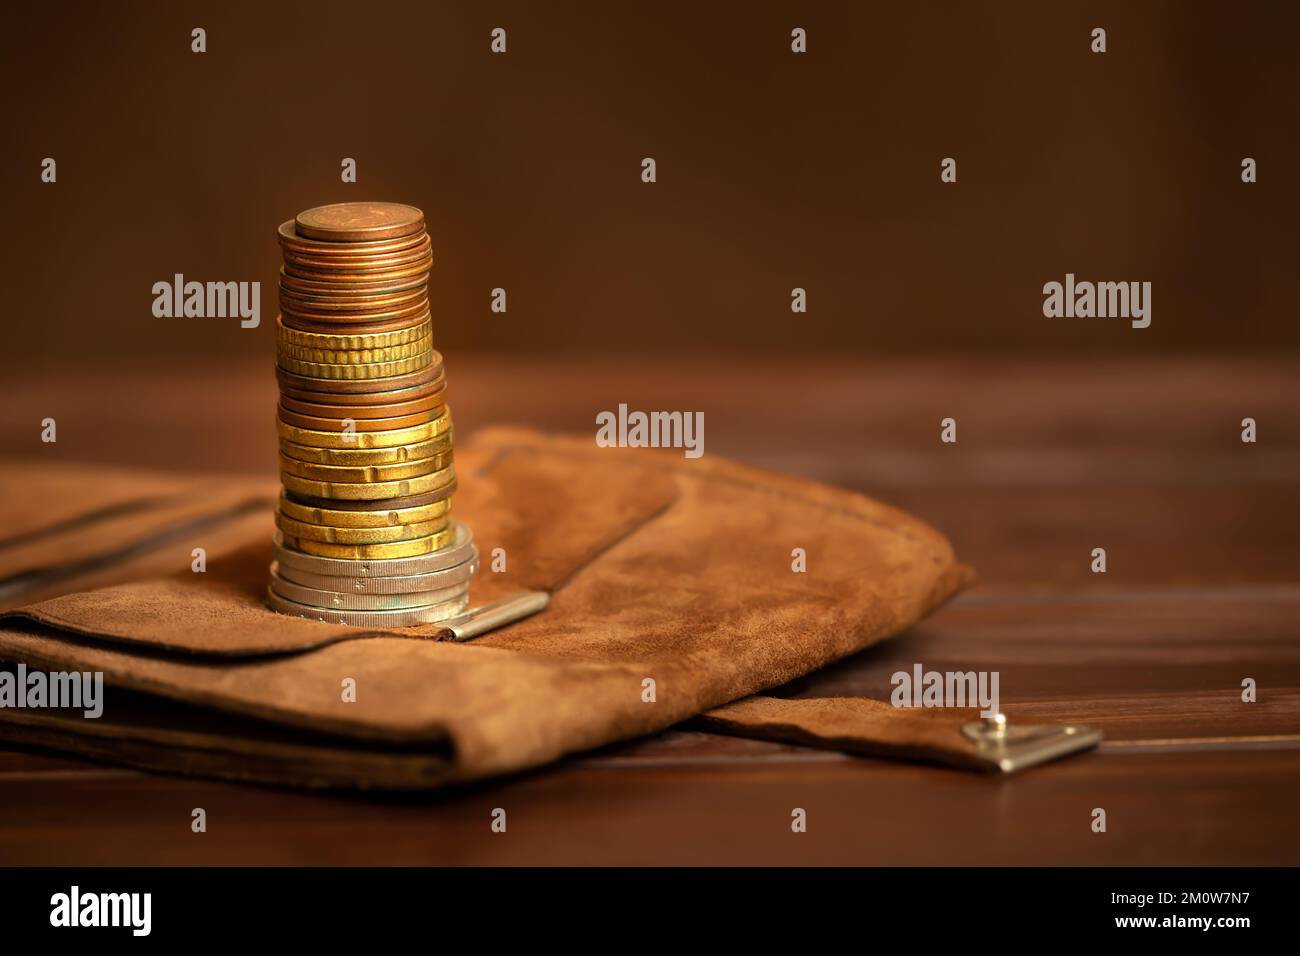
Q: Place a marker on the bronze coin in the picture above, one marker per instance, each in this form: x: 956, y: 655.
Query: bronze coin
x: 434, y: 387
x: 353, y: 328
x: 381, y: 504
x: 294, y: 317
x: 359, y: 278
x: 361, y: 424
x: 352, y: 386
x: 289, y: 239
x: 359, y: 221
x: 318, y: 410
x: 353, y: 303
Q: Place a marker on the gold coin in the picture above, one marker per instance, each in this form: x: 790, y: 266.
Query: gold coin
x: 374, y: 552
x: 365, y: 473
x: 362, y: 356
x: 393, y: 518
x: 384, y: 535
x: 344, y: 439
x: 367, y: 456
x: 370, y: 490
x: 368, y: 371
x: 344, y: 341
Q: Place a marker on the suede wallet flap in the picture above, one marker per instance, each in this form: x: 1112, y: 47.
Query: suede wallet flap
x: 542, y: 518
x: 677, y: 586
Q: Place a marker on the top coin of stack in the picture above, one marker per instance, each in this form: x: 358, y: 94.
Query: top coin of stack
x: 365, y: 529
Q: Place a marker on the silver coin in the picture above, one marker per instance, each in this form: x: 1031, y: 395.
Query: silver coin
x: 348, y: 601
x: 394, y: 584
x: 458, y: 552
x: 406, y: 617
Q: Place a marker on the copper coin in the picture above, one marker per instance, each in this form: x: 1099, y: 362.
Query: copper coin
x: 379, y: 263
x: 353, y: 294
x: 381, y: 314
x: 309, y: 269
x: 352, y: 328
x: 351, y: 268
x: 361, y: 424
x: 362, y: 254
x: 329, y: 287
x: 355, y: 267
x: 340, y: 298
x: 289, y: 239
x: 303, y: 269
x: 360, y: 386
x: 293, y: 317
x: 353, y: 303
x: 435, y: 387
x: 359, y: 278
x: 320, y: 410
x: 359, y: 221
x: 382, y: 504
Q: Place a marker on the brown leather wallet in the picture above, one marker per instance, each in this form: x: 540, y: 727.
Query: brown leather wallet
x: 671, y: 593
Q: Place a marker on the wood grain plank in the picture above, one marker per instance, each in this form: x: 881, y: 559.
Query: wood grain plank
x: 1237, y: 809
x: 1176, y: 420
x: 1163, y: 667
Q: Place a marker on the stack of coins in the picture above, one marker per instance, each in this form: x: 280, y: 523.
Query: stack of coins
x: 366, y: 535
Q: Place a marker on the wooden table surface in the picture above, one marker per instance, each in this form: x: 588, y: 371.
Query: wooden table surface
x: 1053, y: 458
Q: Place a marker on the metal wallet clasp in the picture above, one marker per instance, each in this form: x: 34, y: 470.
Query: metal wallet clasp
x: 479, y: 620
x: 1008, y: 747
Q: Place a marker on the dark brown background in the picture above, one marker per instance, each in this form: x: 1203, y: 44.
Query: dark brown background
x: 775, y: 170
